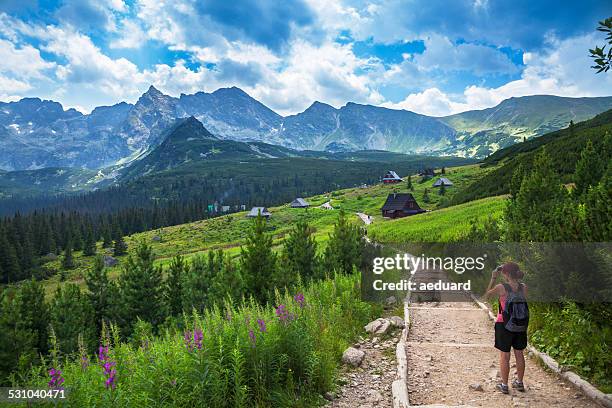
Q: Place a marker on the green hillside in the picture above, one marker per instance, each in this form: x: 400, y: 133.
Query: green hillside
x: 563, y: 146
x: 484, y: 131
x: 228, y: 232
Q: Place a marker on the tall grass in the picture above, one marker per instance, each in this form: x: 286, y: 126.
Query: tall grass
x: 250, y: 355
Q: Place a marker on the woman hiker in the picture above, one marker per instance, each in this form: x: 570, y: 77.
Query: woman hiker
x: 511, y: 323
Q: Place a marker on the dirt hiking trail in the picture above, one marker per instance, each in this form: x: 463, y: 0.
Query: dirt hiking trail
x: 452, y: 361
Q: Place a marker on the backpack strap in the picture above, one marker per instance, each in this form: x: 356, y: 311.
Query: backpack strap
x: 507, y: 287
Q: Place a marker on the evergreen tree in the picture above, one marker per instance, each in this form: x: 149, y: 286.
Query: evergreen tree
x: 89, y: 245
x: 227, y: 282
x: 107, y: 237
x: 9, y: 264
x: 174, y: 285
x: 71, y: 315
x: 258, y: 261
x: 299, y: 256
x: 34, y: 313
x: 68, y: 259
x: 142, y: 288
x: 530, y: 214
x: 589, y: 169
x: 17, y: 341
x: 344, y: 246
x: 119, y: 246
x: 443, y: 170
x: 442, y: 190
x: 426, y: 196
x: 99, y: 293
x: 409, y: 185
x: 598, y: 211
x: 197, y: 283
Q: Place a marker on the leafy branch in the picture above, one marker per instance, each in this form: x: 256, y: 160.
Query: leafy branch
x: 603, y: 59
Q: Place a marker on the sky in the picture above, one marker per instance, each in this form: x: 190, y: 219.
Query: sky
x: 432, y: 57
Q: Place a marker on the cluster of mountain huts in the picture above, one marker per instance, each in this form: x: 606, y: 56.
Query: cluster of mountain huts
x: 397, y: 205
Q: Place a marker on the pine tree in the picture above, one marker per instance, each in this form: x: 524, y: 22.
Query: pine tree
x: 107, y: 237
x: 426, y: 196
x: 443, y: 170
x: 530, y: 214
x: 89, y: 245
x: 227, y: 282
x: 99, y: 293
x: 174, y: 285
x: 141, y: 287
x: 9, y: 263
x: 17, y: 342
x: 68, y: 259
x: 442, y: 190
x: 71, y: 315
x: 258, y: 261
x: 343, y: 248
x: 196, y: 286
x: 119, y: 246
x: 34, y: 312
x: 409, y: 185
x: 589, y: 169
x: 299, y: 256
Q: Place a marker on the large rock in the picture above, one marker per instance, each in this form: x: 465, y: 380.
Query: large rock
x: 397, y: 321
x: 390, y: 301
x: 378, y: 326
x: 110, y: 261
x: 352, y: 356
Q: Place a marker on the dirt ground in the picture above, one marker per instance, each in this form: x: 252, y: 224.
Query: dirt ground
x: 369, y: 385
x: 450, y: 347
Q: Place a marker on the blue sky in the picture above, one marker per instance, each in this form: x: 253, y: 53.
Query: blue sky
x: 433, y: 57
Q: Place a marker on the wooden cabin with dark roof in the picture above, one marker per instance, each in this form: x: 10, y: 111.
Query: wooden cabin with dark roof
x: 400, y: 205
x: 391, y: 177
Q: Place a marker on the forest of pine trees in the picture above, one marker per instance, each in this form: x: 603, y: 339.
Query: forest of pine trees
x: 144, y: 295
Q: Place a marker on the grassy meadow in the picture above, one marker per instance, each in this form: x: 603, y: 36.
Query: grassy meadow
x: 228, y: 232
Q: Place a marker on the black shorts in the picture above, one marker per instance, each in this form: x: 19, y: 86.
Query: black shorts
x: 505, y: 339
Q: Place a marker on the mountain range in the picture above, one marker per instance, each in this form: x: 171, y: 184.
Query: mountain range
x: 37, y: 133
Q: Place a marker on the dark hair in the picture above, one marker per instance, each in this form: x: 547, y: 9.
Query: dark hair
x: 512, y: 269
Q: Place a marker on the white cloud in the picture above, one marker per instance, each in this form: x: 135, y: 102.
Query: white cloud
x: 131, y: 35
x: 562, y: 70
x: 431, y: 102
x: 22, y: 62
x: 442, y: 54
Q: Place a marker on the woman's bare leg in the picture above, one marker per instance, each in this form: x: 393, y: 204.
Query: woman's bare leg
x: 504, y: 366
x: 520, y: 364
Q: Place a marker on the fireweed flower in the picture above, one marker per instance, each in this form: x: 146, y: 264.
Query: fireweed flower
x: 252, y: 337
x: 103, y: 353
x: 107, y: 366
x: 262, y: 325
x: 283, y: 314
x: 197, y: 338
x: 84, y: 361
x: 56, y: 380
x: 299, y: 298
x: 188, y: 340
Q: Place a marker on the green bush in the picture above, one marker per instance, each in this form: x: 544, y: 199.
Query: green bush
x: 288, y: 360
x: 573, y: 337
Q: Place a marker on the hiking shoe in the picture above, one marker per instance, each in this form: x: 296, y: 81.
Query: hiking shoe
x: 503, y: 388
x: 518, y: 385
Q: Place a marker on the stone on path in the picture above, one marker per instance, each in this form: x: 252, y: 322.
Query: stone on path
x: 397, y: 321
x: 476, y: 387
x: 352, y: 356
x: 378, y: 326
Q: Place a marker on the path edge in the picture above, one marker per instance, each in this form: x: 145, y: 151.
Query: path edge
x: 399, y: 387
x: 589, y: 389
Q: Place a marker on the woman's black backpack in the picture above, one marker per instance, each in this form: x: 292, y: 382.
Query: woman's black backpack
x: 516, y: 310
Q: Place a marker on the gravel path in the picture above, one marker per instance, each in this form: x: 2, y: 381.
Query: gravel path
x: 450, y: 347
